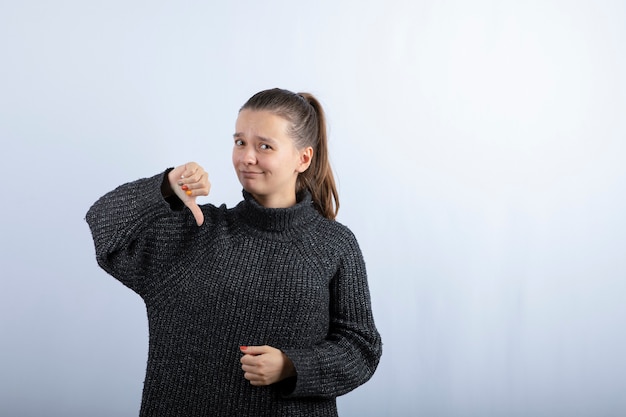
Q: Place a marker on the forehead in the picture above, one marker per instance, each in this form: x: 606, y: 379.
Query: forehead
x: 261, y: 123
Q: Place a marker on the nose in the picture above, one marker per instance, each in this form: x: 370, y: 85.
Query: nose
x: 248, y: 155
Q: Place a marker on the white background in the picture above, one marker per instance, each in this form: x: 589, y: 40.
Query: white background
x: 480, y: 152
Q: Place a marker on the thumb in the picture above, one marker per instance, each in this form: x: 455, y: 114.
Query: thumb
x: 254, y: 350
x: 196, y: 211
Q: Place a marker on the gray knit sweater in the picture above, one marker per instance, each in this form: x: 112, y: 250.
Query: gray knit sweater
x: 288, y: 278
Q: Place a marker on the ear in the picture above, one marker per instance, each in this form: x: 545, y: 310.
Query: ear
x: 306, y: 156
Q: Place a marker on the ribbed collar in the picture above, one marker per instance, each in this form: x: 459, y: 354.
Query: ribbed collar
x: 294, y: 218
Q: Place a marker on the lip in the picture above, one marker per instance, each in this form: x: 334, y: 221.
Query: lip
x: 250, y: 173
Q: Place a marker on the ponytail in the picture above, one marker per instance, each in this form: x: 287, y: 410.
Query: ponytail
x: 319, y: 178
x: 308, y: 128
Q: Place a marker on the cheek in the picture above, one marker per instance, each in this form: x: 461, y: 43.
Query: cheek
x: 234, y: 157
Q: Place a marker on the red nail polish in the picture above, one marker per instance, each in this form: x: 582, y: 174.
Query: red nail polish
x: 184, y: 187
x: 243, y: 347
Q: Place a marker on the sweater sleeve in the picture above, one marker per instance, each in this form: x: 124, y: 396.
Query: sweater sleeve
x: 349, y: 355
x: 136, y: 232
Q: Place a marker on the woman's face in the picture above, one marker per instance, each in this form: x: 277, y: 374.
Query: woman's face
x: 265, y: 158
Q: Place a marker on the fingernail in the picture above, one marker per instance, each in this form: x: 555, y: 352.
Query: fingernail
x: 188, y: 192
x: 243, y: 347
x: 184, y: 187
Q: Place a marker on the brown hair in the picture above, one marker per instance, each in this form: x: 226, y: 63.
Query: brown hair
x: 308, y: 128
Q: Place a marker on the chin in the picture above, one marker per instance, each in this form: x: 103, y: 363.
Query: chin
x: 251, y: 188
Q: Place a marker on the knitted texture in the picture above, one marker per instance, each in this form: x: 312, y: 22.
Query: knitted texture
x: 287, y: 278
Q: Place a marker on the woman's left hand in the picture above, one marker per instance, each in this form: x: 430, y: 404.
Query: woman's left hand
x: 265, y: 365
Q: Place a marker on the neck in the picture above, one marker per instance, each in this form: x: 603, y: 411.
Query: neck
x: 286, y: 220
x: 275, y: 201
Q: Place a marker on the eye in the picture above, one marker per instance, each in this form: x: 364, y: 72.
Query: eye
x: 238, y: 142
x: 265, y: 147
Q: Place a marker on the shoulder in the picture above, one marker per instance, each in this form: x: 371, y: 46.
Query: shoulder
x: 337, y: 236
x: 339, y: 229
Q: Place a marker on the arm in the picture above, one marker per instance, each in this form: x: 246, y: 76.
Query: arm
x: 138, y: 226
x: 121, y: 224
x: 349, y: 355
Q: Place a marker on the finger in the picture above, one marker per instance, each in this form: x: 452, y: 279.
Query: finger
x: 196, y: 211
x: 253, y: 372
x: 247, y: 360
x: 254, y: 376
x: 200, y: 187
x: 198, y: 183
x: 191, y: 169
x: 260, y: 383
x: 255, y: 350
x: 256, y: 380
x: 252, y: 360
x: 175, y: 176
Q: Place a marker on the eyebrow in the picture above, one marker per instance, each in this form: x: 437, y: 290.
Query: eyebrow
x: 239, y: 135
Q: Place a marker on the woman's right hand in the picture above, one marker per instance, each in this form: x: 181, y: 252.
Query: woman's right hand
x: 189, y: 181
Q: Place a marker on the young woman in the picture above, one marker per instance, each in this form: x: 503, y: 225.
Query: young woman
x: 258, y: 310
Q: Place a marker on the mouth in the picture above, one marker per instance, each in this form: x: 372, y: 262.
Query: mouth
x: 251, y: 173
